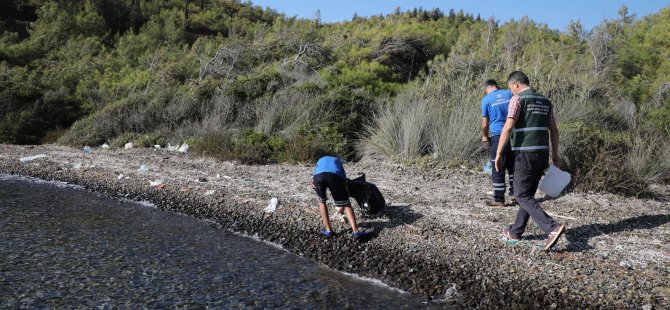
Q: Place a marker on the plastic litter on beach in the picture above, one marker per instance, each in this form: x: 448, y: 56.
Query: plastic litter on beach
x: 128, y: 146
x: 488, y: 167
x: 155, y: 183
x: 210, y: 192
x: 272, y: 206
x: 105, y: 146
x: 172, y: 148
x: 157, y: 146
x: 120, y: 176
x: 183, y: 148
x: 143, y: 169
x: 554, y: 181
x: 31, y: 158
x: 87, y: 150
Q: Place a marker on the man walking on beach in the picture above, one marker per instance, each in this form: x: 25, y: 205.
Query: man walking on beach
x: 329, y: 174
x: 531, y: 124
x: 494, y: 115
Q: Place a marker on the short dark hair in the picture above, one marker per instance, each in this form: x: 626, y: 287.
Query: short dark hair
x: 491, y: 82
x: 519, y: 77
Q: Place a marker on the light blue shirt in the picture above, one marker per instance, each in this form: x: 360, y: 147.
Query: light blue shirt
x: 330, y: 164
x: 494, y: 106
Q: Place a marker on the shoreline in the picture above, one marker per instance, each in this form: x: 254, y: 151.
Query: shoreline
x: 420, y: 247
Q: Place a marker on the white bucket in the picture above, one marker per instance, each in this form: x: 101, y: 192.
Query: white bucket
x: 554, y: 181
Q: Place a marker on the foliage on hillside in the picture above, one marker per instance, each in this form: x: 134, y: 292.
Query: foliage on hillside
x: 242, y: 82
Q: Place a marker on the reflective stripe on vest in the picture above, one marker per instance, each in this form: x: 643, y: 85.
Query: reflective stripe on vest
x: 530, y: 148
x: 531, y: 129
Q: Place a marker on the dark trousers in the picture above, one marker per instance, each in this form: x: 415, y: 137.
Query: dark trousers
x: 498, y: 177
x: 528, y: 169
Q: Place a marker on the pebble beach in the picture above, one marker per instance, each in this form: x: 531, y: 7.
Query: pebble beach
x: 436, y: 239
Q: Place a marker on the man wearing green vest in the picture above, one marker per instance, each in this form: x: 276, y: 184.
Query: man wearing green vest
x: 531, y: 125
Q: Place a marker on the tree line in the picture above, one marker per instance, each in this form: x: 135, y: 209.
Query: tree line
x: 242, y: 82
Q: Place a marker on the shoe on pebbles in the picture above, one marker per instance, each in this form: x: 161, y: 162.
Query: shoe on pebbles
x: 495, y: 204
x: 327, y: 233
x: 511, y: 236
x: 553, y: 237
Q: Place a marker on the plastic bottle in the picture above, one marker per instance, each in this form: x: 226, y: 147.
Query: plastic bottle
x: 488, y: 168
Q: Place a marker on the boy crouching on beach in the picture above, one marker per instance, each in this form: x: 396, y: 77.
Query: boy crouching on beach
x: 329, y: 174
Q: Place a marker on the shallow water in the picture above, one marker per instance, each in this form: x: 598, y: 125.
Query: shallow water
x: 64, y: 248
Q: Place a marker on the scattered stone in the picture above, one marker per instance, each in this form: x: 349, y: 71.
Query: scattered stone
x: 128, y: 146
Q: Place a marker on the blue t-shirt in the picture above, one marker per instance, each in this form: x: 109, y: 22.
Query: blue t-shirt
x: 330, y: 164
x: 494, y: 106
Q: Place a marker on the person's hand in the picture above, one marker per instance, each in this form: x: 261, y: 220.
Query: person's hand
x: 558, y: 162
x: 498, y: 162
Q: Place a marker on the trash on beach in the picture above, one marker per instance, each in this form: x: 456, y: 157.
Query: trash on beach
x: 157, y: 146
x: 272, y: 206
x: 183, y: 148
x: 488, y: 168
x: 120, y: 176
x: 210, y: 192
x: 227, y: 177
x: 105, y: 146
x: 554, y: 181
x: 31, y: 158
x: 155, y: 183
x: 172, y: 148
x: 87, y: 150
x: 143, y: 169
x: 128, y: 146
x: 202, y: 179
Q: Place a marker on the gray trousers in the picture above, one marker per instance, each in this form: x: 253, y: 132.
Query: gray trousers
x: 528, y: 170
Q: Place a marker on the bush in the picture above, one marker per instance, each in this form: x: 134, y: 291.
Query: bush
x: 312, y: 141
x: 598, y: 160
x: 248, y: 147
x: 121, y: 140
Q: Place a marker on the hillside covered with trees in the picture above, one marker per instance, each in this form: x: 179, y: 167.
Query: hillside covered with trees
x: 237, y: 81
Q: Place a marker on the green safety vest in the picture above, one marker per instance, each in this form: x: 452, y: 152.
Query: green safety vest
x: 531, y: 130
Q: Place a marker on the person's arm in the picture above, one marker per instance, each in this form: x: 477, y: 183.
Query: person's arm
x: 555, y: 139
x: 504, y: 138
x: 485, y: 120
x: 485, y: 129
x: 513, y: 112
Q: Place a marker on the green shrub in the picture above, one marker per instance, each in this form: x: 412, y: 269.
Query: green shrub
x: 151, y: 139
x: 313, y: 141
x: 598, y: 159
x: 122, y: 139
